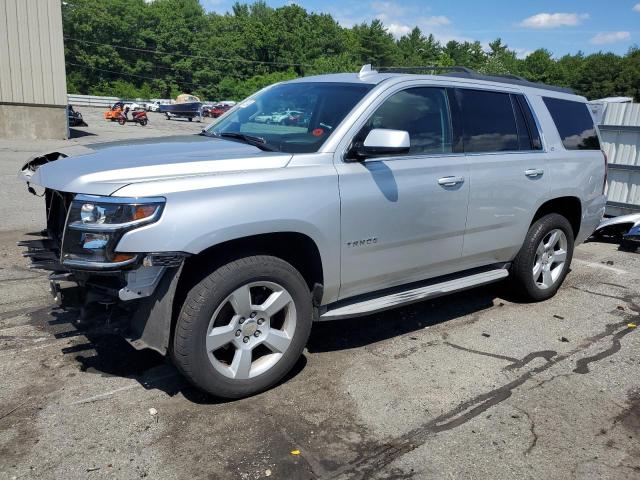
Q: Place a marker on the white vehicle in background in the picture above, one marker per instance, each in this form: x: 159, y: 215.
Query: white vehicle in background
x: 153, y: 106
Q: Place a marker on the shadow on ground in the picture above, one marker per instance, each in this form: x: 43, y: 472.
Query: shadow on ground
x: 75, y: 133
x: 101, y: 351
x: 361, y: 331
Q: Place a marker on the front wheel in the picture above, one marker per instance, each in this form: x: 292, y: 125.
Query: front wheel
x: 243, y: 327
x: 544, y: 259
x: 122, y: 121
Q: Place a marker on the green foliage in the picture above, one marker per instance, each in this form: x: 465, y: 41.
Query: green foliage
x: 112, y: 49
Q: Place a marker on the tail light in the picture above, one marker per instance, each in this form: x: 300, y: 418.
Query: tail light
x: 606, y: 171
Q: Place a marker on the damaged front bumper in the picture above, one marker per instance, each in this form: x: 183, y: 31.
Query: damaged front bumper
x: 137, y: 304
x: 136, y: 300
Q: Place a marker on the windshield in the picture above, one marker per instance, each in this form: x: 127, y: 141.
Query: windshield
x: 290, y: 117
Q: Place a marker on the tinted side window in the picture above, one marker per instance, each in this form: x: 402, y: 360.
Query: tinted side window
x: 488, y: 123
x: 574, y: 124
x: 423, y: 112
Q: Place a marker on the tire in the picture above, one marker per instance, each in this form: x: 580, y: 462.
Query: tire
x: 143, y: 122
x: 190, y: 119
x: 122, y: 121
x: 216, y: 302
x: 542, y: 265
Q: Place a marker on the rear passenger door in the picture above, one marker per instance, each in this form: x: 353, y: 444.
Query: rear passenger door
x: 507, y: 169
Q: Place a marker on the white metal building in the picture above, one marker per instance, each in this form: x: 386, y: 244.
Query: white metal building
x: 620, y: 130
x: 33, y: 91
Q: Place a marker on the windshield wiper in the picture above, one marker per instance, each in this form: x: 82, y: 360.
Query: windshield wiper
x: 259, y: 142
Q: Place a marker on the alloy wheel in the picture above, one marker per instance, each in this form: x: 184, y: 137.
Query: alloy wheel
x: 550, y: 259
x: 251, y: 330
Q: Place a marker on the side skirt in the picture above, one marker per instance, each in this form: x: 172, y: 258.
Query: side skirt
x: 392, y: 298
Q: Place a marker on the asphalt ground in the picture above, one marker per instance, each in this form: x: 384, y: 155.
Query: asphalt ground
x: 470, y: 386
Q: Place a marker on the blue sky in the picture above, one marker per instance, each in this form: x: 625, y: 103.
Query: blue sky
x: 559, y: 26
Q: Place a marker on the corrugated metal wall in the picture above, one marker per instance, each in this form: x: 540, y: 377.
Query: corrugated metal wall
x: 620, y: 132
x: 32, y: 53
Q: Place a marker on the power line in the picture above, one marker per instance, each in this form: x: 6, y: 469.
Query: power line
x: 222, y: 59
x: 129, y: 74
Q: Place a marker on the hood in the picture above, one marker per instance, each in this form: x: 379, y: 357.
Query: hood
x: 101, y: 169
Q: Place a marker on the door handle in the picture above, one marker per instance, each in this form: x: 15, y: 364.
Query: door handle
x: 534, y: 172
x: 450, y: 181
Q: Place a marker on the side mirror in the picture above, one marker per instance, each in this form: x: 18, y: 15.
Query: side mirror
x: 382, y: 142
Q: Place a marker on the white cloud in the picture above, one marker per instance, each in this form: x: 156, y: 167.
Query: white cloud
x: 604, y: 38
x: 636, y: 7
x: 435, y: 21
x: 398, y: 30
x: 522, y: 53
x: 399, y: 19
x: 388, y: 8
x: 554, y: 20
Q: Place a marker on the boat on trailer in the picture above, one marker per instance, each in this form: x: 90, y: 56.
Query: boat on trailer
x: 185, y: 106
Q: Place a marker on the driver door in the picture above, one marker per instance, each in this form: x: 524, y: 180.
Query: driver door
x: 401, y: 221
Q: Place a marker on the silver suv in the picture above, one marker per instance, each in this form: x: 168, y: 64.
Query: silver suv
x: 378, y: 190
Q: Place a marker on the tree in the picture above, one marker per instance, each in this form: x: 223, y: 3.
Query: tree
x: 133, y: 48
x: 373, y: 44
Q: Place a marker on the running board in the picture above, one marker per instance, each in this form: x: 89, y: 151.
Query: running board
x: 396, y: 299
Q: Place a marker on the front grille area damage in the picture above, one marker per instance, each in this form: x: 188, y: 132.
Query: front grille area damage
x: 135, y: 303
x: 45, y: 249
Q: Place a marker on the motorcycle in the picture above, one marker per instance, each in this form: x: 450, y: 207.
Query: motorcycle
x: 137, y: 116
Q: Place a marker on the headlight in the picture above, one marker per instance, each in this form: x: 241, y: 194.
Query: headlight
x: 96, y: 224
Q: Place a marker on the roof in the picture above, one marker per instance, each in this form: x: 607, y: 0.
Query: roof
x: 613, y: 100
x: 368, y: 75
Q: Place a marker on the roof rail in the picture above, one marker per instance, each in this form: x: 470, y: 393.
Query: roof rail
x: 426, y: 68
x: 464, y: 72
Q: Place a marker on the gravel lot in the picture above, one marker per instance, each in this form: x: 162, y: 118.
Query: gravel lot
x: 473, y: 385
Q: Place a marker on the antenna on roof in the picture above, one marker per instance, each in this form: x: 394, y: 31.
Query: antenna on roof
x: 366, y: 70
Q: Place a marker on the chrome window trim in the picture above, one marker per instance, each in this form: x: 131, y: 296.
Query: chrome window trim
x: 535, y: 119
x: 371, y: 108
x: 409, y: 157
x: 505, y: 152
x: 377, y: 96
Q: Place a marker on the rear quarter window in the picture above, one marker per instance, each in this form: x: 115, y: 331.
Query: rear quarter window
x: 574, y: 123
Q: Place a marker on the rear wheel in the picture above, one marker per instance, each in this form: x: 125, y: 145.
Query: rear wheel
x: 143, y: 122
x: 121, y: 121
x: 243, y: 327
x: 544, y: 259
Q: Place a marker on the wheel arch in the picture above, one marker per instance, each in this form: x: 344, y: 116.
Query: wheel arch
x: 569, y: 207
x: 296, y: 248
